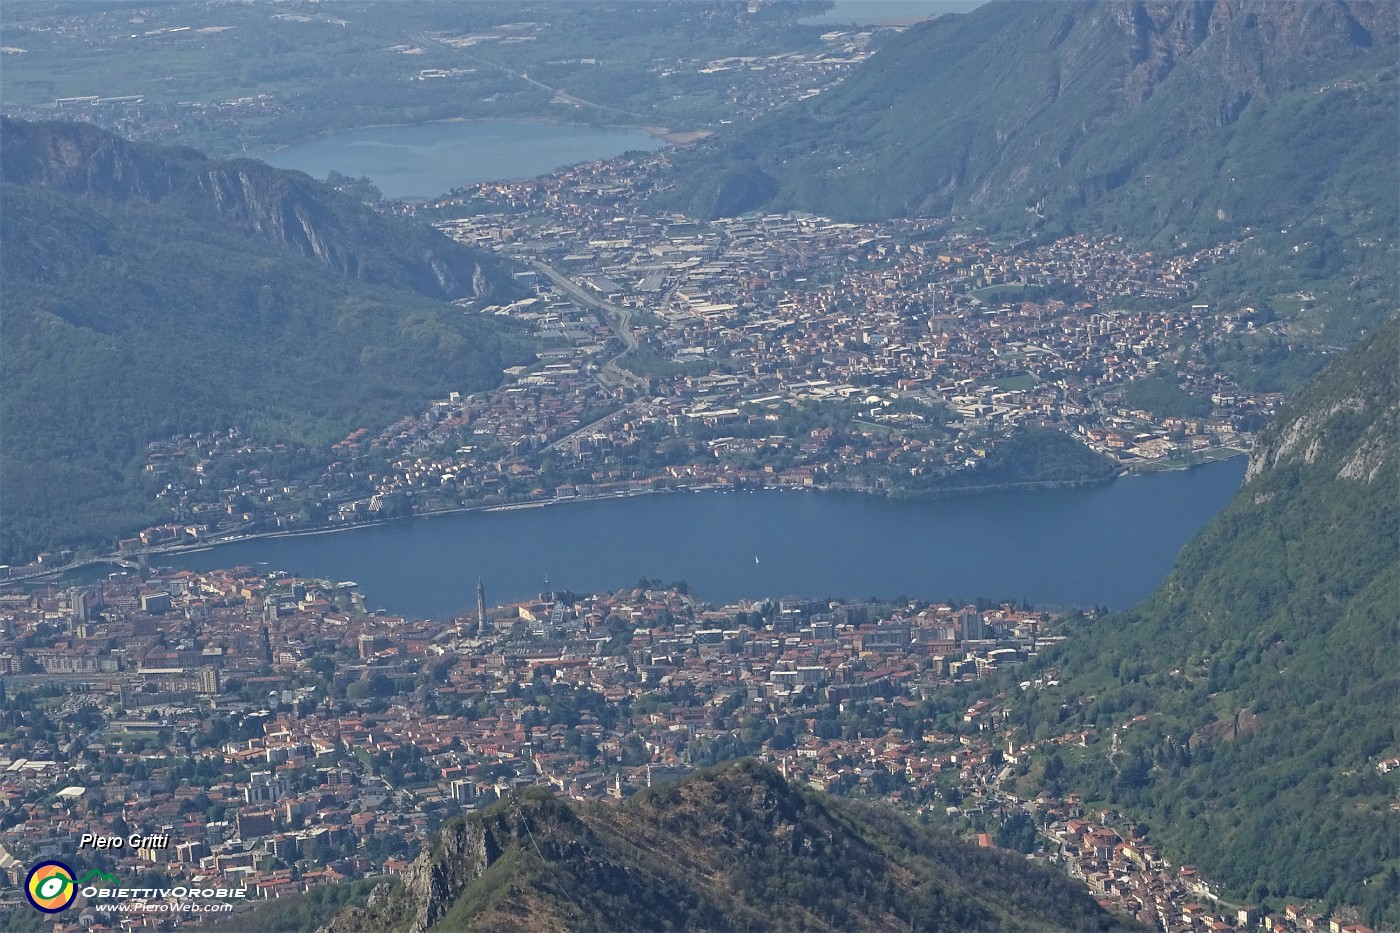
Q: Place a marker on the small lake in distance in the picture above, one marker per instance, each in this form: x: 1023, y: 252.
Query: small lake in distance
x: 428, y: 159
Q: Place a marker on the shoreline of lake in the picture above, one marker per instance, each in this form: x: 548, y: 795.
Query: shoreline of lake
x: 957, y: 492
x: 969, y: 492
x: 664, y: 133
x: 998, y: 543
x: 426, y: 159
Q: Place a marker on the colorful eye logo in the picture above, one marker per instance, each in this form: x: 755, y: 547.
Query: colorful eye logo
x: 50, y: 887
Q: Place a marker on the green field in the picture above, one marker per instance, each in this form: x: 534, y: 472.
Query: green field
x: 1016, y: 383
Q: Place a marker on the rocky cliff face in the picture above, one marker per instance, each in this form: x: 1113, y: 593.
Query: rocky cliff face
x: 428, y: 888
x: 1249, y: 49
x: 287, y: 209
x: 1349, y: 427
x: 432, y: 884
x: 436, y: 879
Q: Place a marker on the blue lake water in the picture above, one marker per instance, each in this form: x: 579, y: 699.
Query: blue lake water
x: 1111, y: 545
x: 428, y: 159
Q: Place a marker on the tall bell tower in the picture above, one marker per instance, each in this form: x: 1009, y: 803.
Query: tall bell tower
x: 480, y: 607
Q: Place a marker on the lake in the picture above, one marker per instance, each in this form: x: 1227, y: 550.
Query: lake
x: 887, y: 12
x: 428, y: 159
x: 1108, y: 546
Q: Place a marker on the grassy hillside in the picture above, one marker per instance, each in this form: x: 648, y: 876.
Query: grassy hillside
x: 1268, y: 664
x: 731, y: 848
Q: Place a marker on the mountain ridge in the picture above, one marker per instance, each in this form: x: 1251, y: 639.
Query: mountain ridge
x: 1053, y: 108
x: 731, y: 847
x: 290, y: 210
x: 142, y: 302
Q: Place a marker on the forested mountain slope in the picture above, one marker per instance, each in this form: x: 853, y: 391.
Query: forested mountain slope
x: 289, y: 210
x: 1268, y: 664
x: 149, y: 292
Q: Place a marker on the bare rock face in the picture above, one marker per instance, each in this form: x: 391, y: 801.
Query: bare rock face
x: 1365, y: 463
x: 1303, y: 437
x: 1239, y: 51
x: 379, y: 895
x: 430, y: 886
x: 434, y: 883
x: 1245, y: 722
x: 1352, y: 433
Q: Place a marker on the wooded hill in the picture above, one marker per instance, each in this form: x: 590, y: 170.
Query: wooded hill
x: 150, y: 291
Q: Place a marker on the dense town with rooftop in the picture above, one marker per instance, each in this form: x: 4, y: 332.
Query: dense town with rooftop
x: 781, y: 351
x: 265, y: 732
